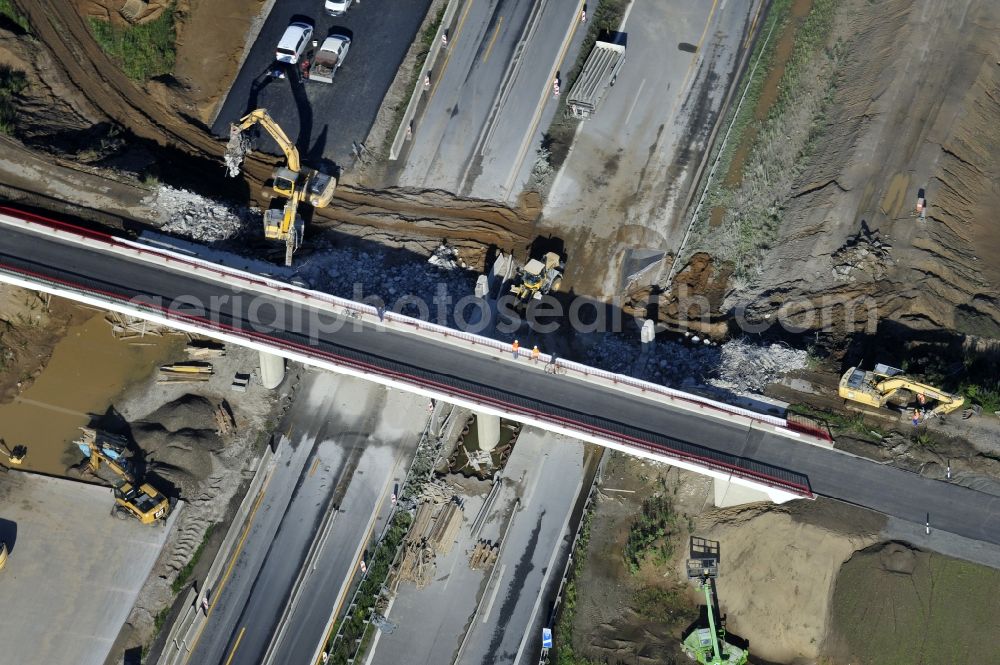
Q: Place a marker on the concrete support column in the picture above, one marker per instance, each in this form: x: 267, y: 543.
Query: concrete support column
x: 488, y: 428
x: 272, y: 370
x: 729, y: 493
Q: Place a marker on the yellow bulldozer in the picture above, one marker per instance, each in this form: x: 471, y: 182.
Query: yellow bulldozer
x: 876, y: 387
x: 537, y: 278
x: 106, y: 458
x: 292, y: 182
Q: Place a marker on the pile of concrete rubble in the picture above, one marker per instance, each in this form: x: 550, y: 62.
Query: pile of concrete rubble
x: 736, y: 366
x: 202, y: 219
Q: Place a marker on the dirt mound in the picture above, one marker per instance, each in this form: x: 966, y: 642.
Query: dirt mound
x: 898, y: 558
x: 187, y: 412
x: 935, y: 610
x: 906, y: 115
x: 184, y: 457
x: 776, y: 589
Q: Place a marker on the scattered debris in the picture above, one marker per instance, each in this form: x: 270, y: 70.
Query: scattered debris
x: 484, y: 554
x: 446, y: 258
x: 185, y: 371
x: 867, y: 251
x: 200, y: 349
x: 737, y: 366
x: 127, y: 327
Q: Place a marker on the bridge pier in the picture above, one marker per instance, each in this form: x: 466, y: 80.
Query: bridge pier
x: 729, y: 493
x: 272, y: 370
x: 488, y: 428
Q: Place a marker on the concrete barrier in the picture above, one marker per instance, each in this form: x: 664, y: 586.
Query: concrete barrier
x: 367, y: 314
x: 186, y: 630
x: 418, y: 91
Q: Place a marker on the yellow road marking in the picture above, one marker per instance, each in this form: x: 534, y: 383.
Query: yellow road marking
x: 354, y: 569
x: 236, y: 646
x: 315, y: 466
x: 753, y: 25
x: 489, y: 49
x: 229, y: 569
x: 451, y: 44
x: 694, y: 60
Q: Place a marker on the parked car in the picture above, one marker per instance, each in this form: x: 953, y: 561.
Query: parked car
x: 293, y: 43
x: 338, y: 7
x: 329, y: 58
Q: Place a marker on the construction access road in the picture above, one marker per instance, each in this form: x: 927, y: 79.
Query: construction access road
x: 342, y: 447
x: 515, y: 387
x: 325, y: 119
x: 625, y: 182
x: 73, y: 571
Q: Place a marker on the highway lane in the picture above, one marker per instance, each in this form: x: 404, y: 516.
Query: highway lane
x: 361, y: 517
x: 307, y: 466
x: 465, y: 83
x: 475, y: 86
x: 886, y: 489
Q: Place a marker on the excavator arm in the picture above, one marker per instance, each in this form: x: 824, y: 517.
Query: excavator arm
x: 277, y: 133
x: 946, y: 402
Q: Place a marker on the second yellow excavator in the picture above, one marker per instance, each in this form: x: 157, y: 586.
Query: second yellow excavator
x: 876, y: 387
x: 132, y: 498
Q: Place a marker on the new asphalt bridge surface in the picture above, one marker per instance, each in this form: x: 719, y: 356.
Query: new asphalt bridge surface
x: 590, y: 408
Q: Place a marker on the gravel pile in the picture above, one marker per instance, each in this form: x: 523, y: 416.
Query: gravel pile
x: 736, y: 366
x: 193, y: 216
x: 406, y: 286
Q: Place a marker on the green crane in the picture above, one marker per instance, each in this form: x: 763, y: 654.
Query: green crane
x: 708, y: 646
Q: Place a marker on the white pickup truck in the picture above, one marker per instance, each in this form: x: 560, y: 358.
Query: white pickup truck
x: 329, y: 58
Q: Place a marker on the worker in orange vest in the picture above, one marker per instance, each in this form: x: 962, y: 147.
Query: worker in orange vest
x: 515, y: 347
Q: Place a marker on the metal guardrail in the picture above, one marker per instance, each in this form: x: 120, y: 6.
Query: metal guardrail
x: 418, y: 92
x: 188, y: 626
x: 475, y: 394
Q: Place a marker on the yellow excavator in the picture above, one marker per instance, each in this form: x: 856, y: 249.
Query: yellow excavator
x: 876, y: 387
x: 293, y: 182
x: 132, y: 498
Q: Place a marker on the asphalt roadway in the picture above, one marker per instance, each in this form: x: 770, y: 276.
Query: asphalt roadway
x: 518, y: 386
x: 546, y: 472
x: 475, y: 80
x: 339, y: 447
x: 324, y: 119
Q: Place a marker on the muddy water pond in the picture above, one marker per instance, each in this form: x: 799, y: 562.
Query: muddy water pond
x: 88, y: 370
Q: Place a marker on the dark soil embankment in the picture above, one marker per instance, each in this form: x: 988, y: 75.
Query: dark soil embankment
x: 173, y: 137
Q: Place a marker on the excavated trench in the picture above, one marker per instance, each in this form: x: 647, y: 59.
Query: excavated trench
x: 182, y: 147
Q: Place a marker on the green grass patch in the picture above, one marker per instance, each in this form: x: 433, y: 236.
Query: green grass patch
x: 985, y: 395
x: 9, y: 10
x: 650, y: 534
x: 939, y: 610
x: 794, y: 121
x: 355, y: 625
x: 12, y: 83
x: 185, y: 574
x: 142, y: 51
x: 763, y: 57
x: 562, y: 634
x: 664, y: 605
